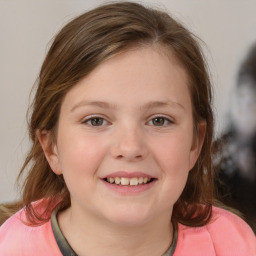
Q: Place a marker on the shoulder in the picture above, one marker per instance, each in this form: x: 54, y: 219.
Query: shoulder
x: 230, y: 232
x: 226, y: 234
x: 17, y: 238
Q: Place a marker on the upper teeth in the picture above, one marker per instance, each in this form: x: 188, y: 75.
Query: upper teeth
x: 128, y: 181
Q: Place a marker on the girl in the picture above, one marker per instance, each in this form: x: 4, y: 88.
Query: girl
x: 121, y: 158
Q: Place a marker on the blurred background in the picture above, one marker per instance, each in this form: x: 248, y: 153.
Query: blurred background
x: 228, y: 29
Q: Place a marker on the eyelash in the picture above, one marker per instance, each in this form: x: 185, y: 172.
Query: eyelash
x: 167, y: 121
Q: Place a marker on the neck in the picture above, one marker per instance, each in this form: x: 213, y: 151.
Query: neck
x: 90, y: 235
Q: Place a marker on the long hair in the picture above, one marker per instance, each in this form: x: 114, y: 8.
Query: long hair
x: 83, y: 44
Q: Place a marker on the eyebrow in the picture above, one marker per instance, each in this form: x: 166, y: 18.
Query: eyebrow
x: 149, y: 105
x: 167, y: 103
x: 100, y: 104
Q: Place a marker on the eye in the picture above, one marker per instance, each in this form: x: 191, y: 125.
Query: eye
x: 95, y: 121
x: 160, y: 121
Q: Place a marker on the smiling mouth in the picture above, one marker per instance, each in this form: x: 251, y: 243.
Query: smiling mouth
x: 123, y: 181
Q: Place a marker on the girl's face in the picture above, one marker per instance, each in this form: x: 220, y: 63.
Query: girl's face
x: 129, y: 121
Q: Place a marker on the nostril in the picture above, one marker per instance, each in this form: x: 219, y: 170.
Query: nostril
x: 129, y: 147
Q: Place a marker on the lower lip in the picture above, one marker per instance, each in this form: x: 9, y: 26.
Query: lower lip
x: 130, y: 189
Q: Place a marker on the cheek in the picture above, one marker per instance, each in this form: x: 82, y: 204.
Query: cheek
x: 173, y: 153
x: 175, y: 164
x: 80, y: 154
x: 173, y: 158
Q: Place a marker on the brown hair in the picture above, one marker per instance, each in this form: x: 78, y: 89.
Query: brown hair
x: 78, y: 48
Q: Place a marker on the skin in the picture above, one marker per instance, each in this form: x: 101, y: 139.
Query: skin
x: 134, y: 88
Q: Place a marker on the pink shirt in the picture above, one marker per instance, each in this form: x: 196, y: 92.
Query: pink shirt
x: 226, y: 235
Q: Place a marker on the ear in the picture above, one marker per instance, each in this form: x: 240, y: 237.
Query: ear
x: 50, y: 150
x: 197, y: 143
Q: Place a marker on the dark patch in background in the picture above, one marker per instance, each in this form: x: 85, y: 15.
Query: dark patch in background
x: 235, y: 157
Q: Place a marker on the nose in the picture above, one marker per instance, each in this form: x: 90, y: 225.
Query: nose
x: 129, y: 144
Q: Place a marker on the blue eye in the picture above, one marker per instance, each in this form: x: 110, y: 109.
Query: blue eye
x: 95, y: 121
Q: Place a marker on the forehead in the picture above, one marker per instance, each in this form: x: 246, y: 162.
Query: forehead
x: 142, y: 73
